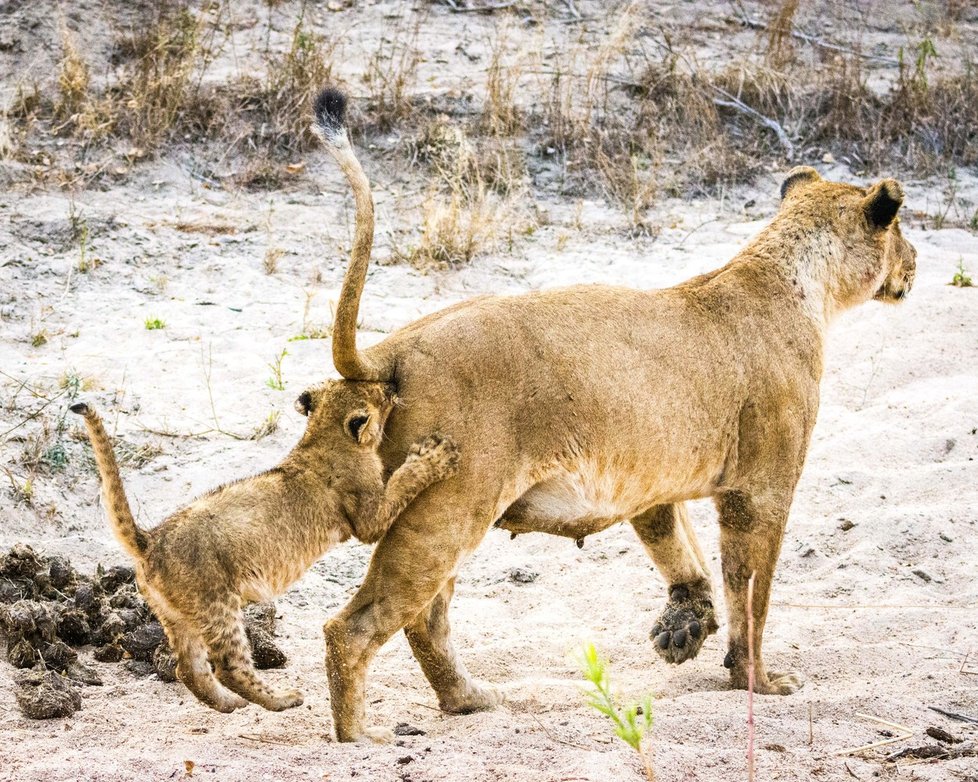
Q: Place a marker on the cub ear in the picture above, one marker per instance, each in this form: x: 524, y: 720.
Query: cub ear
x: 799, y: 175
x: 882, y: 202
x: 356, y: 426
x: 303, y: 404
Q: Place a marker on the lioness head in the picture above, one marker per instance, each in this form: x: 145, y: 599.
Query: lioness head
x: 877, y: 262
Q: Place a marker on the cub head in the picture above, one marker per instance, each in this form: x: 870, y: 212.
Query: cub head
x: 871, y: 259
x: 346, y: 412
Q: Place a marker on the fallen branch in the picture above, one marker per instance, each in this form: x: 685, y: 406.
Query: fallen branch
x: 733, y: 102
x: 933, y: 752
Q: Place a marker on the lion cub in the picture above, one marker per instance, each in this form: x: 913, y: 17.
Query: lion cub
x: 249, y: 540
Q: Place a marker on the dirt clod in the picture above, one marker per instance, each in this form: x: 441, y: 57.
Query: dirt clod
x: 263, y: 649
x: 521, y: 575
x: 47, y: 607
x: 44, y: 695
x: 403, y: 729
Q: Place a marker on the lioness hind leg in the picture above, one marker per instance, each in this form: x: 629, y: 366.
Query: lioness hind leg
x: 430, y: 460
x: 430, y: 638
x: 751, y: 531
x: 194, y: 670
x: 688, y: 617
x: 230, y: 654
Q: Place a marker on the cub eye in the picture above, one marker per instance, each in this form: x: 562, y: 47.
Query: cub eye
x: 304, y: 403
x: 355, y: 424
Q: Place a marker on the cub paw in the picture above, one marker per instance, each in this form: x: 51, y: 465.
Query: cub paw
x: 683, y: 625
x: 439, y: 450
x: 287, y: 699
x: 228, y: 703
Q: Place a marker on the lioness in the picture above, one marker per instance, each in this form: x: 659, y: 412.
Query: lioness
x: 583, y: 407
x: 249, y: 540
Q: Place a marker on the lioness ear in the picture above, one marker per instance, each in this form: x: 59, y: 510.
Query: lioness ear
x: 882, y: 202
x: 303, y: 404
x: 356, y: 426
x: 797, y: 176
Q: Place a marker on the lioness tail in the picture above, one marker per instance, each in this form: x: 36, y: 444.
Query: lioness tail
x: 329, y: 125
x: 132, y: 538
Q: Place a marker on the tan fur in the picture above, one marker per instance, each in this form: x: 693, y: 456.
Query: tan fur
x: 592, y: 405
x: 249, y: 540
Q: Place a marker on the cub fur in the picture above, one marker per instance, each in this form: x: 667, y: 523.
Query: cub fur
x: 591, y: 405
x: 250, y: 539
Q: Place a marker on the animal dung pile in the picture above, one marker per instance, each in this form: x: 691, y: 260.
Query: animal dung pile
x: 48, y: 610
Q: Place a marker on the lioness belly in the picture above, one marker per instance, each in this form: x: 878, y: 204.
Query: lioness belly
x: 588, y: 497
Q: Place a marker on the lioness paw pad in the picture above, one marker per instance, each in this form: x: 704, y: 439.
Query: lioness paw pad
x: 683, y: 625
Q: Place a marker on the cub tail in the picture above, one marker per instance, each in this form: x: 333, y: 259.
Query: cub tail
x: 132, y: 538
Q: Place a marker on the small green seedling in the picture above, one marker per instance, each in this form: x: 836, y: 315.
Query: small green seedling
x: 625, y: 719
x: 152, y: 324
x: 276, y: 382
x: 961, y: 278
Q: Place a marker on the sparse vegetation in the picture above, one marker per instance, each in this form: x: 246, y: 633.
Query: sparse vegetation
x: 623, y: 109
x: 624, y: 718
x: 961, y: 278
x: 154, y: 324
x: 277, y: 382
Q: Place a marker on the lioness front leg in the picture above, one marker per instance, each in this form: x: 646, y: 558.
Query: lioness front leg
x: 433, y: 459
x: 430, y: 638
x: 688, y: 617
x: 408, y: 570
x: 751, y: 530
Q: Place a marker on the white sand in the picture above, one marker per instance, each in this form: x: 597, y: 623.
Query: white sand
x: 893, y: 453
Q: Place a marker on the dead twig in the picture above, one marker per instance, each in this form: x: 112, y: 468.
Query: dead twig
x: 955, y: 716
x: 972, y: 670
x: 552, y: 737
x: 750, y: 678
x: 905, y: 733
x: 265, y: 739
x: 477, y: 9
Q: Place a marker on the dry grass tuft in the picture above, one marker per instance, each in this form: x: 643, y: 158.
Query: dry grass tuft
x: 159, y: 94
x: 501, y: 116
x: 73, y: 78
x: 391, y: 74
x: 279, y: 107
x: 780, y: 45
x: 456, y: 227
x: 470, y: 207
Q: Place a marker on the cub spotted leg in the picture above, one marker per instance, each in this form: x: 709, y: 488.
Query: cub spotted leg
x: 430, y: 637
x: 751, y: 530
x: 688, y: 617
x: 230, y: 654
x: 194, y: 670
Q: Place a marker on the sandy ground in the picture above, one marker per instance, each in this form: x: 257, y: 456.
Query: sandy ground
x: 876, y: 595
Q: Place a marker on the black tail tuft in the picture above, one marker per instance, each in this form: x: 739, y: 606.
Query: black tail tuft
x: 330, y: 110
x: 79, y: 408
